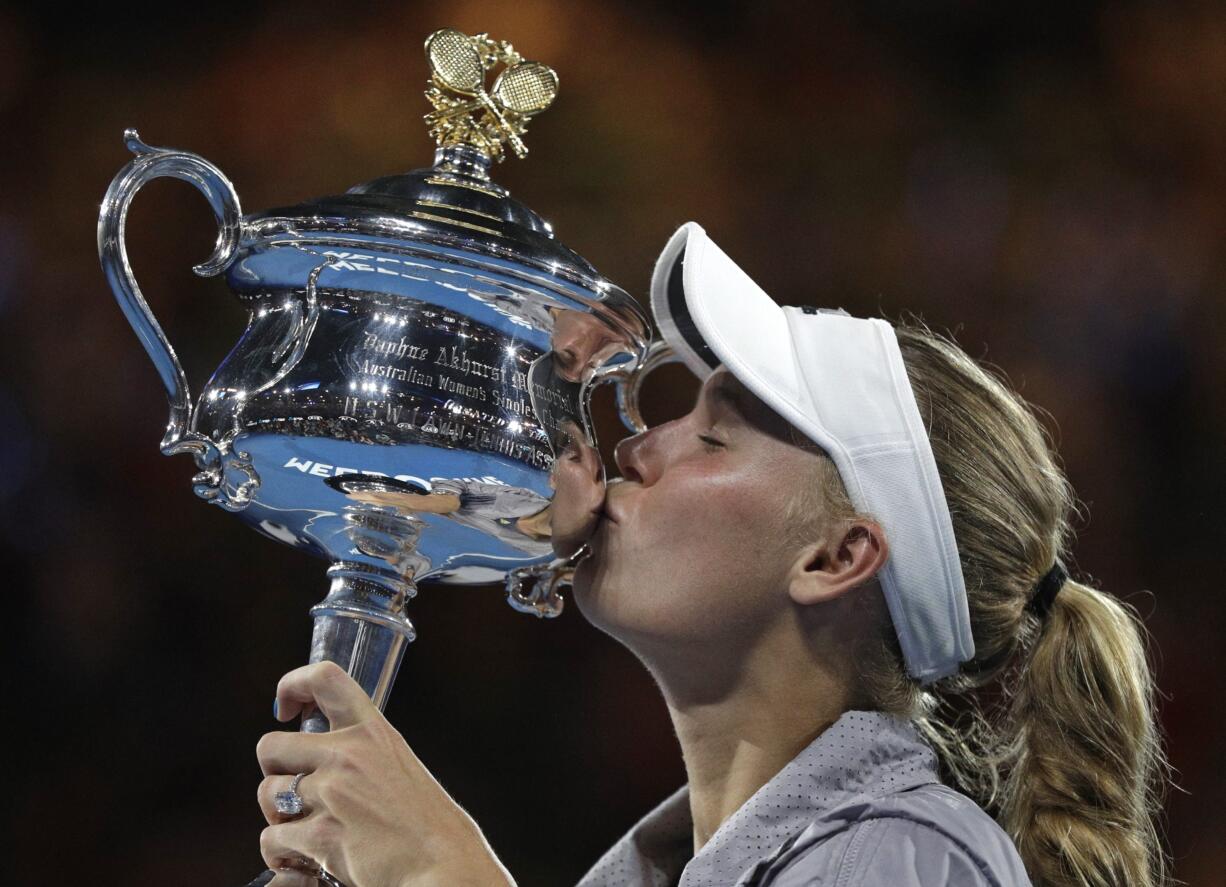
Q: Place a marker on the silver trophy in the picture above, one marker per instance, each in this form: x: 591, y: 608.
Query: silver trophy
x: 418, y: 351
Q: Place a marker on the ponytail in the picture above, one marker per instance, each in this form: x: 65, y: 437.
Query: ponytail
x: 1081, y: 798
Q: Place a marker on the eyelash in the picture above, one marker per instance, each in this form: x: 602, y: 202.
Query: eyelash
x: 710, y: 442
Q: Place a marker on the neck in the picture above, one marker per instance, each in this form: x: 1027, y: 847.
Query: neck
x: 739, y: 729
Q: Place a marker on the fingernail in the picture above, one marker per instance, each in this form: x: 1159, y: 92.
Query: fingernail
x: 275, y: 716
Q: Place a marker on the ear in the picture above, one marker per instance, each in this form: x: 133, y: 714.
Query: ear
x: 834, y: 565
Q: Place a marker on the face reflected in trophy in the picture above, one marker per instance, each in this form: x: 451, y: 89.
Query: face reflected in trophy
x: 418, y: 352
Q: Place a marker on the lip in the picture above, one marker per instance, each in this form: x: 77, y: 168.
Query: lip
x: 608, y: 506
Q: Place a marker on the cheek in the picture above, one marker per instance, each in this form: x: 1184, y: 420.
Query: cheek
x: 706, y: 525
x: 690, y: 558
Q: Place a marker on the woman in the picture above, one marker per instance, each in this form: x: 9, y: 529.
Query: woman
x: 844, y: 570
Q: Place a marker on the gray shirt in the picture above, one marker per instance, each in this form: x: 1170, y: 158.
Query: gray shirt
x: 861, y: 805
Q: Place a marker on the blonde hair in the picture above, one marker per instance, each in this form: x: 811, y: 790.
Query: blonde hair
x: 1051, y: 726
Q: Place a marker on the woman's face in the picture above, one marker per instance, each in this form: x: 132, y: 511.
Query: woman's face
x: 692, y: 545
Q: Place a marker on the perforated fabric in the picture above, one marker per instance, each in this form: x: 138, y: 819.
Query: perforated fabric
x: 862, y: 804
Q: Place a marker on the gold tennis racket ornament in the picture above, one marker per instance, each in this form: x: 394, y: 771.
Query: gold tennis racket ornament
x: 458, y: 65
x: 454, y: 60
x: 526, y: 88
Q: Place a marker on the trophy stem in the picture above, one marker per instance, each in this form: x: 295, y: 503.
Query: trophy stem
x: 361, y: 626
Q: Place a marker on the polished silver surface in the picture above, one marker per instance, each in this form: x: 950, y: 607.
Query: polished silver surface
x: 225, y: 477
x: 630, y: 381
x: 417, y: 351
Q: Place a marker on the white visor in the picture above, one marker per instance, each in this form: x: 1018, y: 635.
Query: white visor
x: 842, y: 382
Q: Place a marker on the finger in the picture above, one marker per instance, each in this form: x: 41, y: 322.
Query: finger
x: 284, y: 752
x: 266, y: 796
x: 327, y: 686
x: 288, y: 848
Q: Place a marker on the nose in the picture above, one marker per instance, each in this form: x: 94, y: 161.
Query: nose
x: 637, y: 456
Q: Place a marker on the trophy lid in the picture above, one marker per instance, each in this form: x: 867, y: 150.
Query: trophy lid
x: 454, y: 203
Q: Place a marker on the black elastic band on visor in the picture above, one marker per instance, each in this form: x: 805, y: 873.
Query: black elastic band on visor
x: 681, y: 315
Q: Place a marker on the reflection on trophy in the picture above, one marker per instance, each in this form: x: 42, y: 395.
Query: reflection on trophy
x: 418, y: 351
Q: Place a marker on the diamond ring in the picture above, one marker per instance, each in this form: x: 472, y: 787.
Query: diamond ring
x: 289, y: 802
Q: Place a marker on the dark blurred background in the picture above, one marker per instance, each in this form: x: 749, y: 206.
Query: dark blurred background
x: 1046, y: 179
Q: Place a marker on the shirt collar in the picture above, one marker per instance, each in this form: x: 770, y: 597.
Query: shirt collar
x: 863, y: 753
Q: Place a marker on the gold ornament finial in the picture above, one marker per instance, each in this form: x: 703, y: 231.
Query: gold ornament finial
x: 464, y: 113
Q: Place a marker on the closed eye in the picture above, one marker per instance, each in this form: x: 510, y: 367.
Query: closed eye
x: 711, y: 443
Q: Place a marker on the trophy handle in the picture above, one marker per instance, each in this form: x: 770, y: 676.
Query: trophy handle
x: 630, y: 383
x: 151, y: 163
x: 535, y: 589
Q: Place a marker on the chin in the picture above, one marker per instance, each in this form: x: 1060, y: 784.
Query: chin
x: 582, y: 578
x: 614, y: 609
x: 585, y: 591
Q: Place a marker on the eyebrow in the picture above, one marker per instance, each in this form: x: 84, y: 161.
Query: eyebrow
x: 748, y: 408
x: 729, y: 394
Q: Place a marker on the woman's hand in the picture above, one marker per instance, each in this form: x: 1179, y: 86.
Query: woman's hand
x: 373, y: 815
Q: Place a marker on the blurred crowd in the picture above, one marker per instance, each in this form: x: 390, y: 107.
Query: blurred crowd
x: 1047, y: 181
